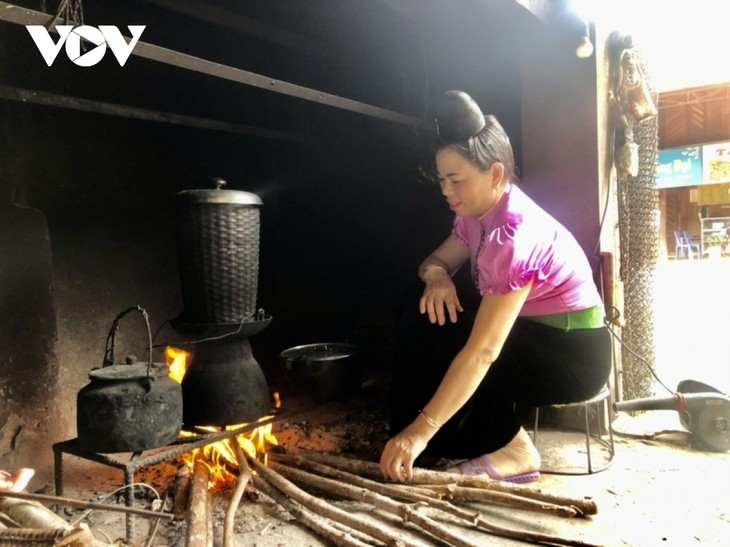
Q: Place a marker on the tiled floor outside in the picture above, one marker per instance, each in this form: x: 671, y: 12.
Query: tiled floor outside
x: 692, y: 322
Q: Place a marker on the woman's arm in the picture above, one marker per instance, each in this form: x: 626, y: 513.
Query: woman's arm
x: 449, y: 256
x: 494, y: 320
x: 439, y: 296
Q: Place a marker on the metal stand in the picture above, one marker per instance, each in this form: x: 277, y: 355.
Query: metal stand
x: 601, y: 405
x: 137, y: 461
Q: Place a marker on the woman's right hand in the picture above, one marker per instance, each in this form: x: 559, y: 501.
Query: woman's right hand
x: 439, y: 297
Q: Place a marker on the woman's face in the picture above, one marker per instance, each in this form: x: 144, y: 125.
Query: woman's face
x: 468, y: 190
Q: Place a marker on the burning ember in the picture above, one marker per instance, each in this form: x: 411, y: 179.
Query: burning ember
x: 221, y: 456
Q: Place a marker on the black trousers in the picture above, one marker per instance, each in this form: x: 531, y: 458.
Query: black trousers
x: 538, y: 365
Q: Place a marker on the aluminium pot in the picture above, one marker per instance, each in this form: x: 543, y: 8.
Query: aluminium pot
x: 327, y: 371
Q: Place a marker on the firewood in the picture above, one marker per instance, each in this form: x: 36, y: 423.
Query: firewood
x: 559, y: 506
x: 324, y: 509
x: 182, y: 493
x: 37, y: 523
x: 19, y: 536
x: 408, y: 512
x: 417, y: 494
x: 32, y: 514
x: 585, y: 506
x: 210, y: 529
x: 244, y: 476
x: 343, y: 538
x: 79, y: 536
x: 198, y: 516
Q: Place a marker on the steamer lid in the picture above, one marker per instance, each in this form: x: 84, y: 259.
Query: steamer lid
x: 220, y: 196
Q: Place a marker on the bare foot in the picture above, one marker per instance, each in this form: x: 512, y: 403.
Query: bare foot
x: 517, y: 457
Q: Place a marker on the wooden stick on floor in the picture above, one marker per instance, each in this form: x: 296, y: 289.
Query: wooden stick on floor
x: 341, y: 538
x: 585, y: 506
x: 244, y: 476
x: 408, y: 512
x: 431, y: 492
x: 197, y: 533
x: 416, y: 494
x: 324, y: 509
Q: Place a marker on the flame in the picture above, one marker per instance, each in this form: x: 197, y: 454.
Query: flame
x: 220, y: 457
x: 176, y: 359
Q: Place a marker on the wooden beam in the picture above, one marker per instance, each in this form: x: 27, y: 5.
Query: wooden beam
x: 236, y: 22
x: 24, y: 16
x: 265, y: 83
x: 98, y: 107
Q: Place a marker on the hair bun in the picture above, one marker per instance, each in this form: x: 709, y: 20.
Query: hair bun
x: 458, y: 116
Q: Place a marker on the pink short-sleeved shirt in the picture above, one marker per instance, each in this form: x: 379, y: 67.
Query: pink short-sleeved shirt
x: 517, y: 241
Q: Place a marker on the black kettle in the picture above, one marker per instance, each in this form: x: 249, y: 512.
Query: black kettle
x: 128, y: 407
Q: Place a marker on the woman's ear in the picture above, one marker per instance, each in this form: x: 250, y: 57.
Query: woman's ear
x: 497, y: 172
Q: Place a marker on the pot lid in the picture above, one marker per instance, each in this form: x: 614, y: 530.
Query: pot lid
x: 218, y: 195
x: 135, y: 371
x: 320, y: 352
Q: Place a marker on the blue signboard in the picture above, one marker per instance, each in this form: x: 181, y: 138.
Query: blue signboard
x: 679, y: 167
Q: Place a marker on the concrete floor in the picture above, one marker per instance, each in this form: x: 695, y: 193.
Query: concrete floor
x: 658, y: 490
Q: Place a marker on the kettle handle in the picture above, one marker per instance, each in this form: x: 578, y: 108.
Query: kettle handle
x: 109, y: 349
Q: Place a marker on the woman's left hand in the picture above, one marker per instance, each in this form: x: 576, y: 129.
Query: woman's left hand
x: 399, y: 454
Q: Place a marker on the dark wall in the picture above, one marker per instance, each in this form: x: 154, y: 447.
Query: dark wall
x: 563, y: 135
x: 347, y: 215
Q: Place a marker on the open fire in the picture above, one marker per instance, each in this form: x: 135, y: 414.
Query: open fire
x: 220, y: 456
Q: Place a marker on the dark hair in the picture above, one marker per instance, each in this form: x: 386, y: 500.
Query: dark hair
x: 461, y: 126
x: 485, y: 148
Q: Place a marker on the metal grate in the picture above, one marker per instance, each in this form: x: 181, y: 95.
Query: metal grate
x: 638, y: 207
x: 139, y: 460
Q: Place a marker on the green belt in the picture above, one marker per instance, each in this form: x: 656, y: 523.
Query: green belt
x: 591, y: 318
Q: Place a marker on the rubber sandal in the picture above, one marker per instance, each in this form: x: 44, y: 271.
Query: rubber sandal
x: 483, y: 464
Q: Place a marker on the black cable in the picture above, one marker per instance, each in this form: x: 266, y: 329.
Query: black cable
x: 258, y: 313
x: 609, y: 323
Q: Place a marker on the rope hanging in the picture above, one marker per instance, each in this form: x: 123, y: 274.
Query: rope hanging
x: 70, y: 12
